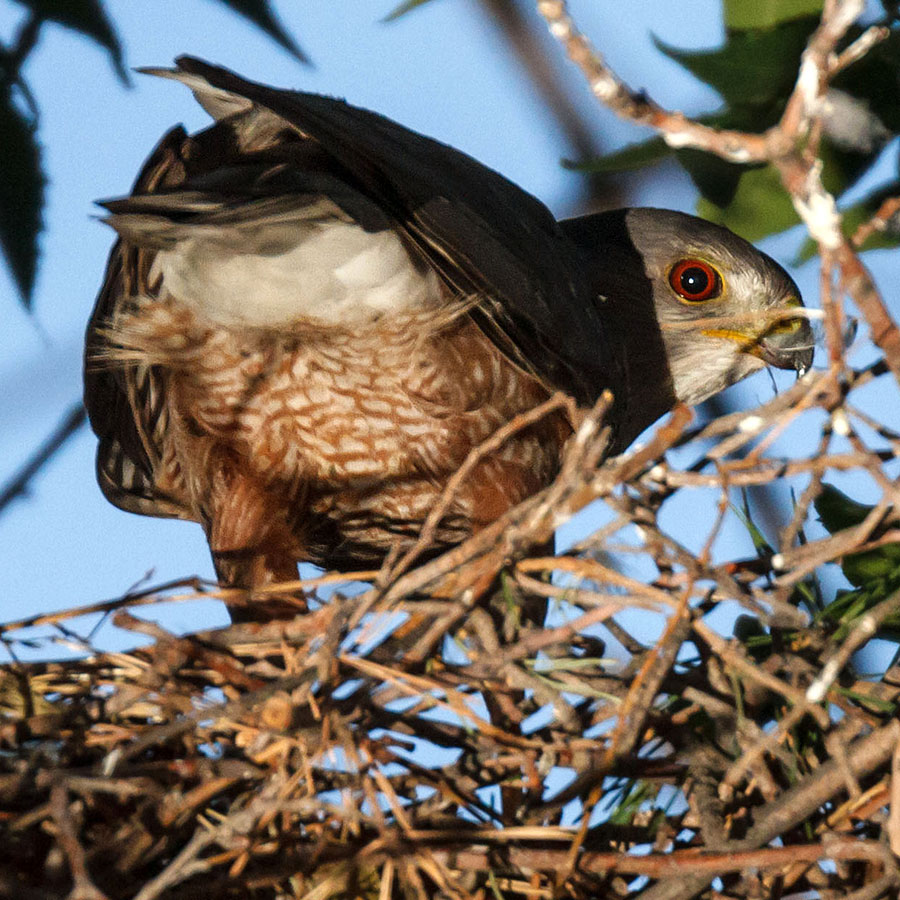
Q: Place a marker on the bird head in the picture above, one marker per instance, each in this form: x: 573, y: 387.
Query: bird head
x: 691, y: 307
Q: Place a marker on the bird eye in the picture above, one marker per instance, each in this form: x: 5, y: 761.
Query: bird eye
x: 695, y: 280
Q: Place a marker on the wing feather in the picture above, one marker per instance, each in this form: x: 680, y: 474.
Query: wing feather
x: 125, y: 402
x: 278, y: 158
x: 482, y: 233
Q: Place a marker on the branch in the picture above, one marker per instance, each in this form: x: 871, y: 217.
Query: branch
x: 781, y: 145
x: 17, y: 486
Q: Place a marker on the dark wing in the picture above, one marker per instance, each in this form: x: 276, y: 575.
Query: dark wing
x: 125, y: 403
x: 482, y: 233
x: 277, y: 156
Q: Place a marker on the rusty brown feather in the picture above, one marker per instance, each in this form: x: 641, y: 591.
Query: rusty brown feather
x: 312, y: 315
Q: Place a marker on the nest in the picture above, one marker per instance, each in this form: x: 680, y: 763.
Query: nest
x: 636, y: 716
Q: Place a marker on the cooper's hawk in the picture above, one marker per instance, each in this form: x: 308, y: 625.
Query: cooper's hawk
x: 312, y: 315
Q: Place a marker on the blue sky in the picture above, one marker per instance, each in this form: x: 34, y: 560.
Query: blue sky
x: 441, y: 70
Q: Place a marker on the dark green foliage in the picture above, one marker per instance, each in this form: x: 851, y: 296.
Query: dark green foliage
x: 875, y: 574
x: 86, y: 17
x: 754, y: 68
x: 260, y: 14
x: 21, y: 193
x: 22, y: 185
x: 404, y: 8
x: 876, y: 79
x: 754, y: 71
x: 633, y: 795
x: 740, y: 14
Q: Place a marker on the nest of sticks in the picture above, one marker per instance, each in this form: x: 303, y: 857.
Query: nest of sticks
x: 636, y: 716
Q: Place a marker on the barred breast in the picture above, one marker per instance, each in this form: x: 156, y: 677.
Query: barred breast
x: 350, y: 434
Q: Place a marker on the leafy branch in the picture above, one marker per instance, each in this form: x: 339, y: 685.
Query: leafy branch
x: 22, y: 187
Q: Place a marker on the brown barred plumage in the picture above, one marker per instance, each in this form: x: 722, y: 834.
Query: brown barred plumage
x: 313, y: 315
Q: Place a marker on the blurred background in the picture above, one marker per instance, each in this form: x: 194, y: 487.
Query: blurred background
x: 484, y: 77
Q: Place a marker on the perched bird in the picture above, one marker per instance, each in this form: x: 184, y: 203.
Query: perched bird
x: 313, y: 314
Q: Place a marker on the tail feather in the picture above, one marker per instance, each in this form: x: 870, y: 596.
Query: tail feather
x: 219, y: 103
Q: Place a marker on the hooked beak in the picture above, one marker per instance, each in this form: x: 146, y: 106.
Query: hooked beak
x: 788, y: 344
x: 792, y: 350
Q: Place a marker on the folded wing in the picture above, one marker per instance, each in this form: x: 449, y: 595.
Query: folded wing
x: 295, y: 207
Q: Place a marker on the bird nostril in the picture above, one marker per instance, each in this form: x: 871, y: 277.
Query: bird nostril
x: 788, y: 322
x: 787, y: 326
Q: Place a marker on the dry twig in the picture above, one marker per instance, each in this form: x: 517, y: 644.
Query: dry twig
x: 440, y: 736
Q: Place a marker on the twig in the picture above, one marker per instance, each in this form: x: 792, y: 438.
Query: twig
x: 863, y: 631
x: 871, y: 37
x: 879, y: 222
x: 794, y: 806
x: 893, y: 825
x: 17, y: 486
x: 677, y: 130
x: 477, y: 454
x: 84, y: 888
x: 733, y: 655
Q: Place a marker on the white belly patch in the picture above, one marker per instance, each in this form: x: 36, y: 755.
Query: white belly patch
x: 327, y: 271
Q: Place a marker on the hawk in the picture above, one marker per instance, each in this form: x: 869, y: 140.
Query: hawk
x: 313, y: 314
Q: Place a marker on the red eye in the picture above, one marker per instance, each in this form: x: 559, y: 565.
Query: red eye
x: 695, y: 280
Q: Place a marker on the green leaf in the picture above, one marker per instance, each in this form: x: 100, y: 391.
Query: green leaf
x: 756, y: 68
x: 259, y: 12
x: 760, y: 544
x: 634, y: 156
x: 877, y: 571
x: 873, y: 566
x: 848, y: 606
x: 755, y: 71
x: 403, y: 9
x: 837, y: 511
x: 633, y: 798
x: 749, y: 628
x: 876, y: 703
x: 21, y: 195
x: 760, y: 206
x: 841, y: 168
x: 715, y: 178
x: 574, y: 686
x: 86, y: 17
x: 745, y: 14
x: 653, y: 150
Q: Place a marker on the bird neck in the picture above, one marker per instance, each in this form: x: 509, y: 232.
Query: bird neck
x: 646, y: 390
x: 643, y: 385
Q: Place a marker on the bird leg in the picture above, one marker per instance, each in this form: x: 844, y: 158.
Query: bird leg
x: 252, y: 545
